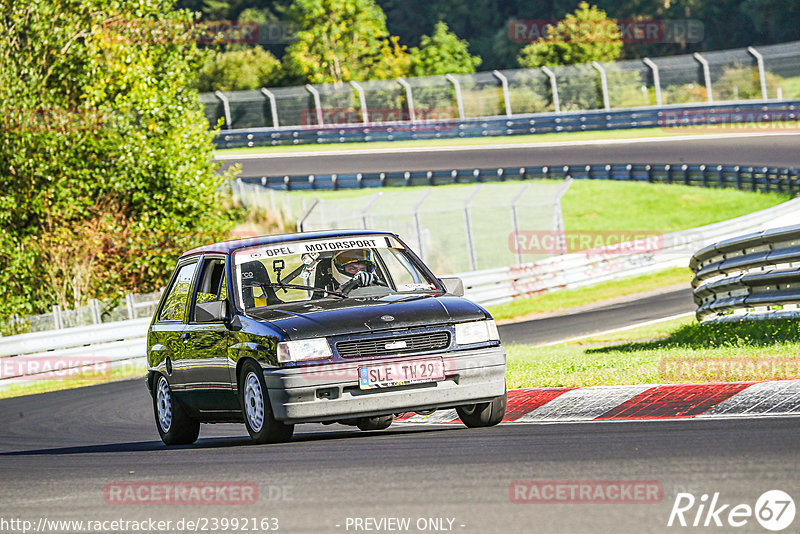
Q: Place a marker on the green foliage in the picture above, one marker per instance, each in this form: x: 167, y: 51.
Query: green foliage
x: 442, y: 53
x: 739, y: 82
x: 585, y: 36
x: 105, y: 172
x: 342, y: 40
x: 233, y: 70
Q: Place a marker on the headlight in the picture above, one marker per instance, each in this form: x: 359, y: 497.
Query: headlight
x: 476, y: 332
x: 304, y: 349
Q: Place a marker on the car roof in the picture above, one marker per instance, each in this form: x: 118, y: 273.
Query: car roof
x: 226, y: 247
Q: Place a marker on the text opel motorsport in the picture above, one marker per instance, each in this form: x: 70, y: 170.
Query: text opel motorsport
x: 346, y: 326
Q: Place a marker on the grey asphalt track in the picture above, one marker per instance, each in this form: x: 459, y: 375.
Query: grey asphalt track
x: 58, y: 451
x: 780, y: 151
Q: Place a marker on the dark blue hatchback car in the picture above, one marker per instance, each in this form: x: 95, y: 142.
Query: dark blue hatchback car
x: 342, y: 327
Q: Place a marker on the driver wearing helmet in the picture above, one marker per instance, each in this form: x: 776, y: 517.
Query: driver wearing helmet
x: 354, y: 268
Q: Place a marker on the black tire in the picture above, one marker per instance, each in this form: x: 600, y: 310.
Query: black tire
x: 483, y: 413
x: 381, y: 422
x: 173, y: 423
x: 256, y: 409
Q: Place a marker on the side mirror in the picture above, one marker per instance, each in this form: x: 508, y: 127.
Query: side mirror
x: 211, y: 312
x: 453, y: 286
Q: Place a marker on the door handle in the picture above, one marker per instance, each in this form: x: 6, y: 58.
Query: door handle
x: 185, y: 336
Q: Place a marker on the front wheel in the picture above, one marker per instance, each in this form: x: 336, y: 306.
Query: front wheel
x: 174, y: 425
x: 261, y: 424
x: 483, y: 413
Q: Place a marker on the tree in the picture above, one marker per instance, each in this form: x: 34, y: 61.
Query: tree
x: 105, y: 154
x: 585, y: 36
x: 442, y: 53
x: 342, y: 40
x: 233, y: 70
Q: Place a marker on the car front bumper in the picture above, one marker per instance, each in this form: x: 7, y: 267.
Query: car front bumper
x: 330, y: 392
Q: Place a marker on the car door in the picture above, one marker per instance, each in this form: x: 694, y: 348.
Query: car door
x: 167, y: 343
x: 206, y: 342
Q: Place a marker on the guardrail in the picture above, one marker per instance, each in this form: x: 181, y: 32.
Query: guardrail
x: 763, y: 179
x: 758, y: 113
x: 752, y: 276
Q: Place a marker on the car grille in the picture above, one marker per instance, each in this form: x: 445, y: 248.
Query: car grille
x: 396, y: 345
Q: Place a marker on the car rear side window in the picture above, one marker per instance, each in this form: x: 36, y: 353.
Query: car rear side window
x: 177, y: 300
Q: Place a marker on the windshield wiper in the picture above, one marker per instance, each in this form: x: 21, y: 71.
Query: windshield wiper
x: 295, y: 286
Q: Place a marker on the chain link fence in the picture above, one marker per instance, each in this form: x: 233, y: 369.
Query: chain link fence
x: 768, y: 72
x: 133, y: 306
x: 456, y: 229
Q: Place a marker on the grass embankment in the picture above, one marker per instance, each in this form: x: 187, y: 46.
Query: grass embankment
x: 674, y: 352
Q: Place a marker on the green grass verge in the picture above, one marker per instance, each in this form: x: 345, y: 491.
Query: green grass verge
x: 77, y: 381
x: 570, y: 298
x: 680, y: 351
x: 478, y: 141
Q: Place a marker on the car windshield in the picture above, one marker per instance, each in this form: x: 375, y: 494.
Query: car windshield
x: 361, y: 266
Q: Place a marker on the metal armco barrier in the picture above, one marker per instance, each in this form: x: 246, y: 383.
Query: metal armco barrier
x: 763, y: 179
x: 753, y: 276
x: 759, y: 114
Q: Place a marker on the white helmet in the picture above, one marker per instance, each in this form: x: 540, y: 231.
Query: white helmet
x: 348, y: 262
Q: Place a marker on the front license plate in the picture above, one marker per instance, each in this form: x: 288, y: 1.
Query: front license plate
x: 400, y: 373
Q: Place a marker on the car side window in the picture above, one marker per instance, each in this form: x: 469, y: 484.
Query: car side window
x: 177, y: 300
x: 213, y: 286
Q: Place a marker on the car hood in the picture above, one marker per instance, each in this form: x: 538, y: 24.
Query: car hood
x: 355, y: 315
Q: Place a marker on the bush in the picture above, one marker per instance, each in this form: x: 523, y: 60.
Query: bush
x: 235, y: 70
x: 105, y: 155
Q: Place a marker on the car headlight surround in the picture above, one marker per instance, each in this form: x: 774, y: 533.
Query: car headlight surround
x: 304, y: 349
x: 476, y: 332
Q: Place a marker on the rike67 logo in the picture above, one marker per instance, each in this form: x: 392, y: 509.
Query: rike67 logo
x: 774, y: 510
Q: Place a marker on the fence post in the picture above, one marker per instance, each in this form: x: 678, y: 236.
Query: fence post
x: 58, y: 320
x: 515, y: 220
x: 656, y: 79
x: 226, y: 108
x: 362, y: 99
x: 131, y: 307
x: 368, y: 207
x: 603, y: 84
x: 412, y: 116
x: 94, y: 308
x: 761, y: 74
x: 553, y: 88
x: 706, y: 74
x: 473, y: 257
x: 317, y: 103
x: 459, y: 98
x: 305, y: 214
x: 418, y: 223
x: 506, y: 94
